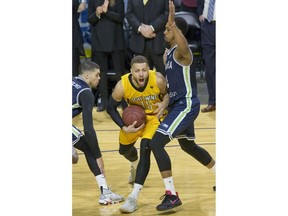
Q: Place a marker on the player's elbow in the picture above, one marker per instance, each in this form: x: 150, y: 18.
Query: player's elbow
x: 109, y: 108
x: 112, y: 106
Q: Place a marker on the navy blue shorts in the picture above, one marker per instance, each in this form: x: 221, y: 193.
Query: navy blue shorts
x: 179, y: 123
x: 76, y: 135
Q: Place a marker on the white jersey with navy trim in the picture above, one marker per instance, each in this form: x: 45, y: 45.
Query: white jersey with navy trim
x: 181, y: 80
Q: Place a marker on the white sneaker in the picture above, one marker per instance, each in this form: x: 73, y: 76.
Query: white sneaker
x: 130, y: 205
x: 132, y: 176
x: 108, y: 197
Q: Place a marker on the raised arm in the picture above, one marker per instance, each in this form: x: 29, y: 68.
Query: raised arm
x: 182, y: 53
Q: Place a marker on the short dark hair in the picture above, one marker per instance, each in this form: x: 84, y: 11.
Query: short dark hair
x: 139, y: 59
x: 181, y: 24
x: 88, y: 66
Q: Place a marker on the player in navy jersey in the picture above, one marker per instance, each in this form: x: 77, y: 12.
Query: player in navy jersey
x: 184, y: 106
x: 83, y: 102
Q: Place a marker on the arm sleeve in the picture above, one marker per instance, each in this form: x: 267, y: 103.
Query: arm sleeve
x: 86, y: 99
x: 113, y: 112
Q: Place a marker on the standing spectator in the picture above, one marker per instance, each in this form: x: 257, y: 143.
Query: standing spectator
x: 208, y: 27
x: 189, y: 5
x: 83, y: 102
x: 107, y: 40
x: 147, y: 19
x: 77, y: 37
x: 184, y: 107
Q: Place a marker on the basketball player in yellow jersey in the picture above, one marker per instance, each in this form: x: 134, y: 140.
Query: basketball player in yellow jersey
x: 148, y: 89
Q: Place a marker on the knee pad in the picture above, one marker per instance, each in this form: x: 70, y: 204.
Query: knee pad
x: 158, y: 141
x: 145, y: 149
x: 187, y: 145
x: 129, y: 152
x: 144, y: 162
x: 145, y: 144
x: 196, y: 151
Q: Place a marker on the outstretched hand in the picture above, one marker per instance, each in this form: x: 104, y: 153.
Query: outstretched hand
x: 171, y: 16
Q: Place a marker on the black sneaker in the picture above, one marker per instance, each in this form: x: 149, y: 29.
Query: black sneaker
x: 169, y: 201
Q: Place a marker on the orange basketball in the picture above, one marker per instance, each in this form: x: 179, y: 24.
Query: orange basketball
x: 134, y: 113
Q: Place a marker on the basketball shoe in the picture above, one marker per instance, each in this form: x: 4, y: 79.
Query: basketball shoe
x: 169, y: 201
x: 132, y: 176
x: 130, y: 205
x: 108, y: 197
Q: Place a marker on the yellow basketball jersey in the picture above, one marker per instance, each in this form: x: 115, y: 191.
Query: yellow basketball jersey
x: 146, y: 98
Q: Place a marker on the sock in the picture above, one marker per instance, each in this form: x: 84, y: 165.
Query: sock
x: 136, y: 190
x: 169, y: 184
x: 135, y: 163
x: 101, y: 180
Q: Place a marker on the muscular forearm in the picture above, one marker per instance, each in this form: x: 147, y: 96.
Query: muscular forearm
x: 166, y: 99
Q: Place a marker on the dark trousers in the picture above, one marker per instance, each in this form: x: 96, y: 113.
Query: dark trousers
x: 75, y: 61
x: 209, y: 55
x: 155, y: 60
x: 102, y: 59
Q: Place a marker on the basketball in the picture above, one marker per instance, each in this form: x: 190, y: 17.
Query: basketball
x: 134, y: 113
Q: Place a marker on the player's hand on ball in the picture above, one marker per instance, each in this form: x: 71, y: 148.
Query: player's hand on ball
x: 132, y: 129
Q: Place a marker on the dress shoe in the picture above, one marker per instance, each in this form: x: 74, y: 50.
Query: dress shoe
x: 209, y: 108
x: 101, y: 108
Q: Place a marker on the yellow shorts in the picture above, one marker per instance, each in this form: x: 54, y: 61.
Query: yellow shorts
x: 152, y: 123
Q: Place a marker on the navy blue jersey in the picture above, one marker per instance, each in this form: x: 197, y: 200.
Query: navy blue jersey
x: 184, y: 105
x: 181, y: 80
x: 78, y: 86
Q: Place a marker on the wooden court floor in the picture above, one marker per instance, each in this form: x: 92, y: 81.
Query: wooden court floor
x: 193, y: 181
